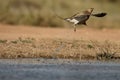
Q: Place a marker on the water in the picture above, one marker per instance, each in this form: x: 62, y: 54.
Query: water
x: 53, y: 69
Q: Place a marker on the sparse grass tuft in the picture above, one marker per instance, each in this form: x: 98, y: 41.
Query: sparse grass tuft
x: 26, y: 40
x: 21, y: 40
x: 106, y: 50
x: 3, y: 41
x: 14, y: 42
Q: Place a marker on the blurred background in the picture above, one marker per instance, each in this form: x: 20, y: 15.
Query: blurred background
x: 41, y: 13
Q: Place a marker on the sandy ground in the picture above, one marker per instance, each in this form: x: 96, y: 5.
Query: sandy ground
x: 13, y: 32
x: 53, y: 69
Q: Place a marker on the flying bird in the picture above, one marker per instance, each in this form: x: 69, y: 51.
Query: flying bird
x: 82, y: 17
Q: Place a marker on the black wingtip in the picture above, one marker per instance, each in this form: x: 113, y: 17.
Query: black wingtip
x: 100, y: 14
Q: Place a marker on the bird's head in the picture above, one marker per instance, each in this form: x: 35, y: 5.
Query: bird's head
x: 87, y: 12
x: 90, y: 10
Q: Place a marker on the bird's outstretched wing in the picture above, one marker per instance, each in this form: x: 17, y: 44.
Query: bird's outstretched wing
x: 75, y: 15
x: 99, y: 14
x: 59, y: 17
x: 71, y: 17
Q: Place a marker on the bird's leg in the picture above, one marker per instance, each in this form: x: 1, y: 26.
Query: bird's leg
x: 74, y: 28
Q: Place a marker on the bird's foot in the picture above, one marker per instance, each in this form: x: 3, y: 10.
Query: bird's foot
x: 75, y: 30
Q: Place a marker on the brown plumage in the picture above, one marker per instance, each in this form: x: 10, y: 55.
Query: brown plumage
x: 81, y: 18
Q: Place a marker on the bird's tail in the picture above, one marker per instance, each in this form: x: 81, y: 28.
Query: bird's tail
x: 99, y: 14
x: 59, y: 16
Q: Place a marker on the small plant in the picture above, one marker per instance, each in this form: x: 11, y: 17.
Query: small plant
x: 90, y: 46
x: 26, y: 40
x: 105, y: 51
x: 105, y: 56
x: 15, y: 42
x: 3, y: 41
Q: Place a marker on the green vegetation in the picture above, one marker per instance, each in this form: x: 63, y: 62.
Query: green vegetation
x: 21, y: 40
x: 42, y: 12
x: 3, y: 41
x: 60, y: 49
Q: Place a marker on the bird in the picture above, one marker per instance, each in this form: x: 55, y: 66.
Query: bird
x: 80, y: 18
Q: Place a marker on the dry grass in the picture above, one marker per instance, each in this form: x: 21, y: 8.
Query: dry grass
x: 42, y: 12
x: 59, y: 48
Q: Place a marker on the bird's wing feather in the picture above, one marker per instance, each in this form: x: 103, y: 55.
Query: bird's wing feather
x: 75, y: 15
x: 82, y: 17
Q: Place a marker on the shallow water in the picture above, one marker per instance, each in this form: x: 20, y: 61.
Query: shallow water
x: 53, y: 69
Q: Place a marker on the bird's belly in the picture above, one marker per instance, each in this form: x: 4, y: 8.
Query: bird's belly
x: 74, y: 21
